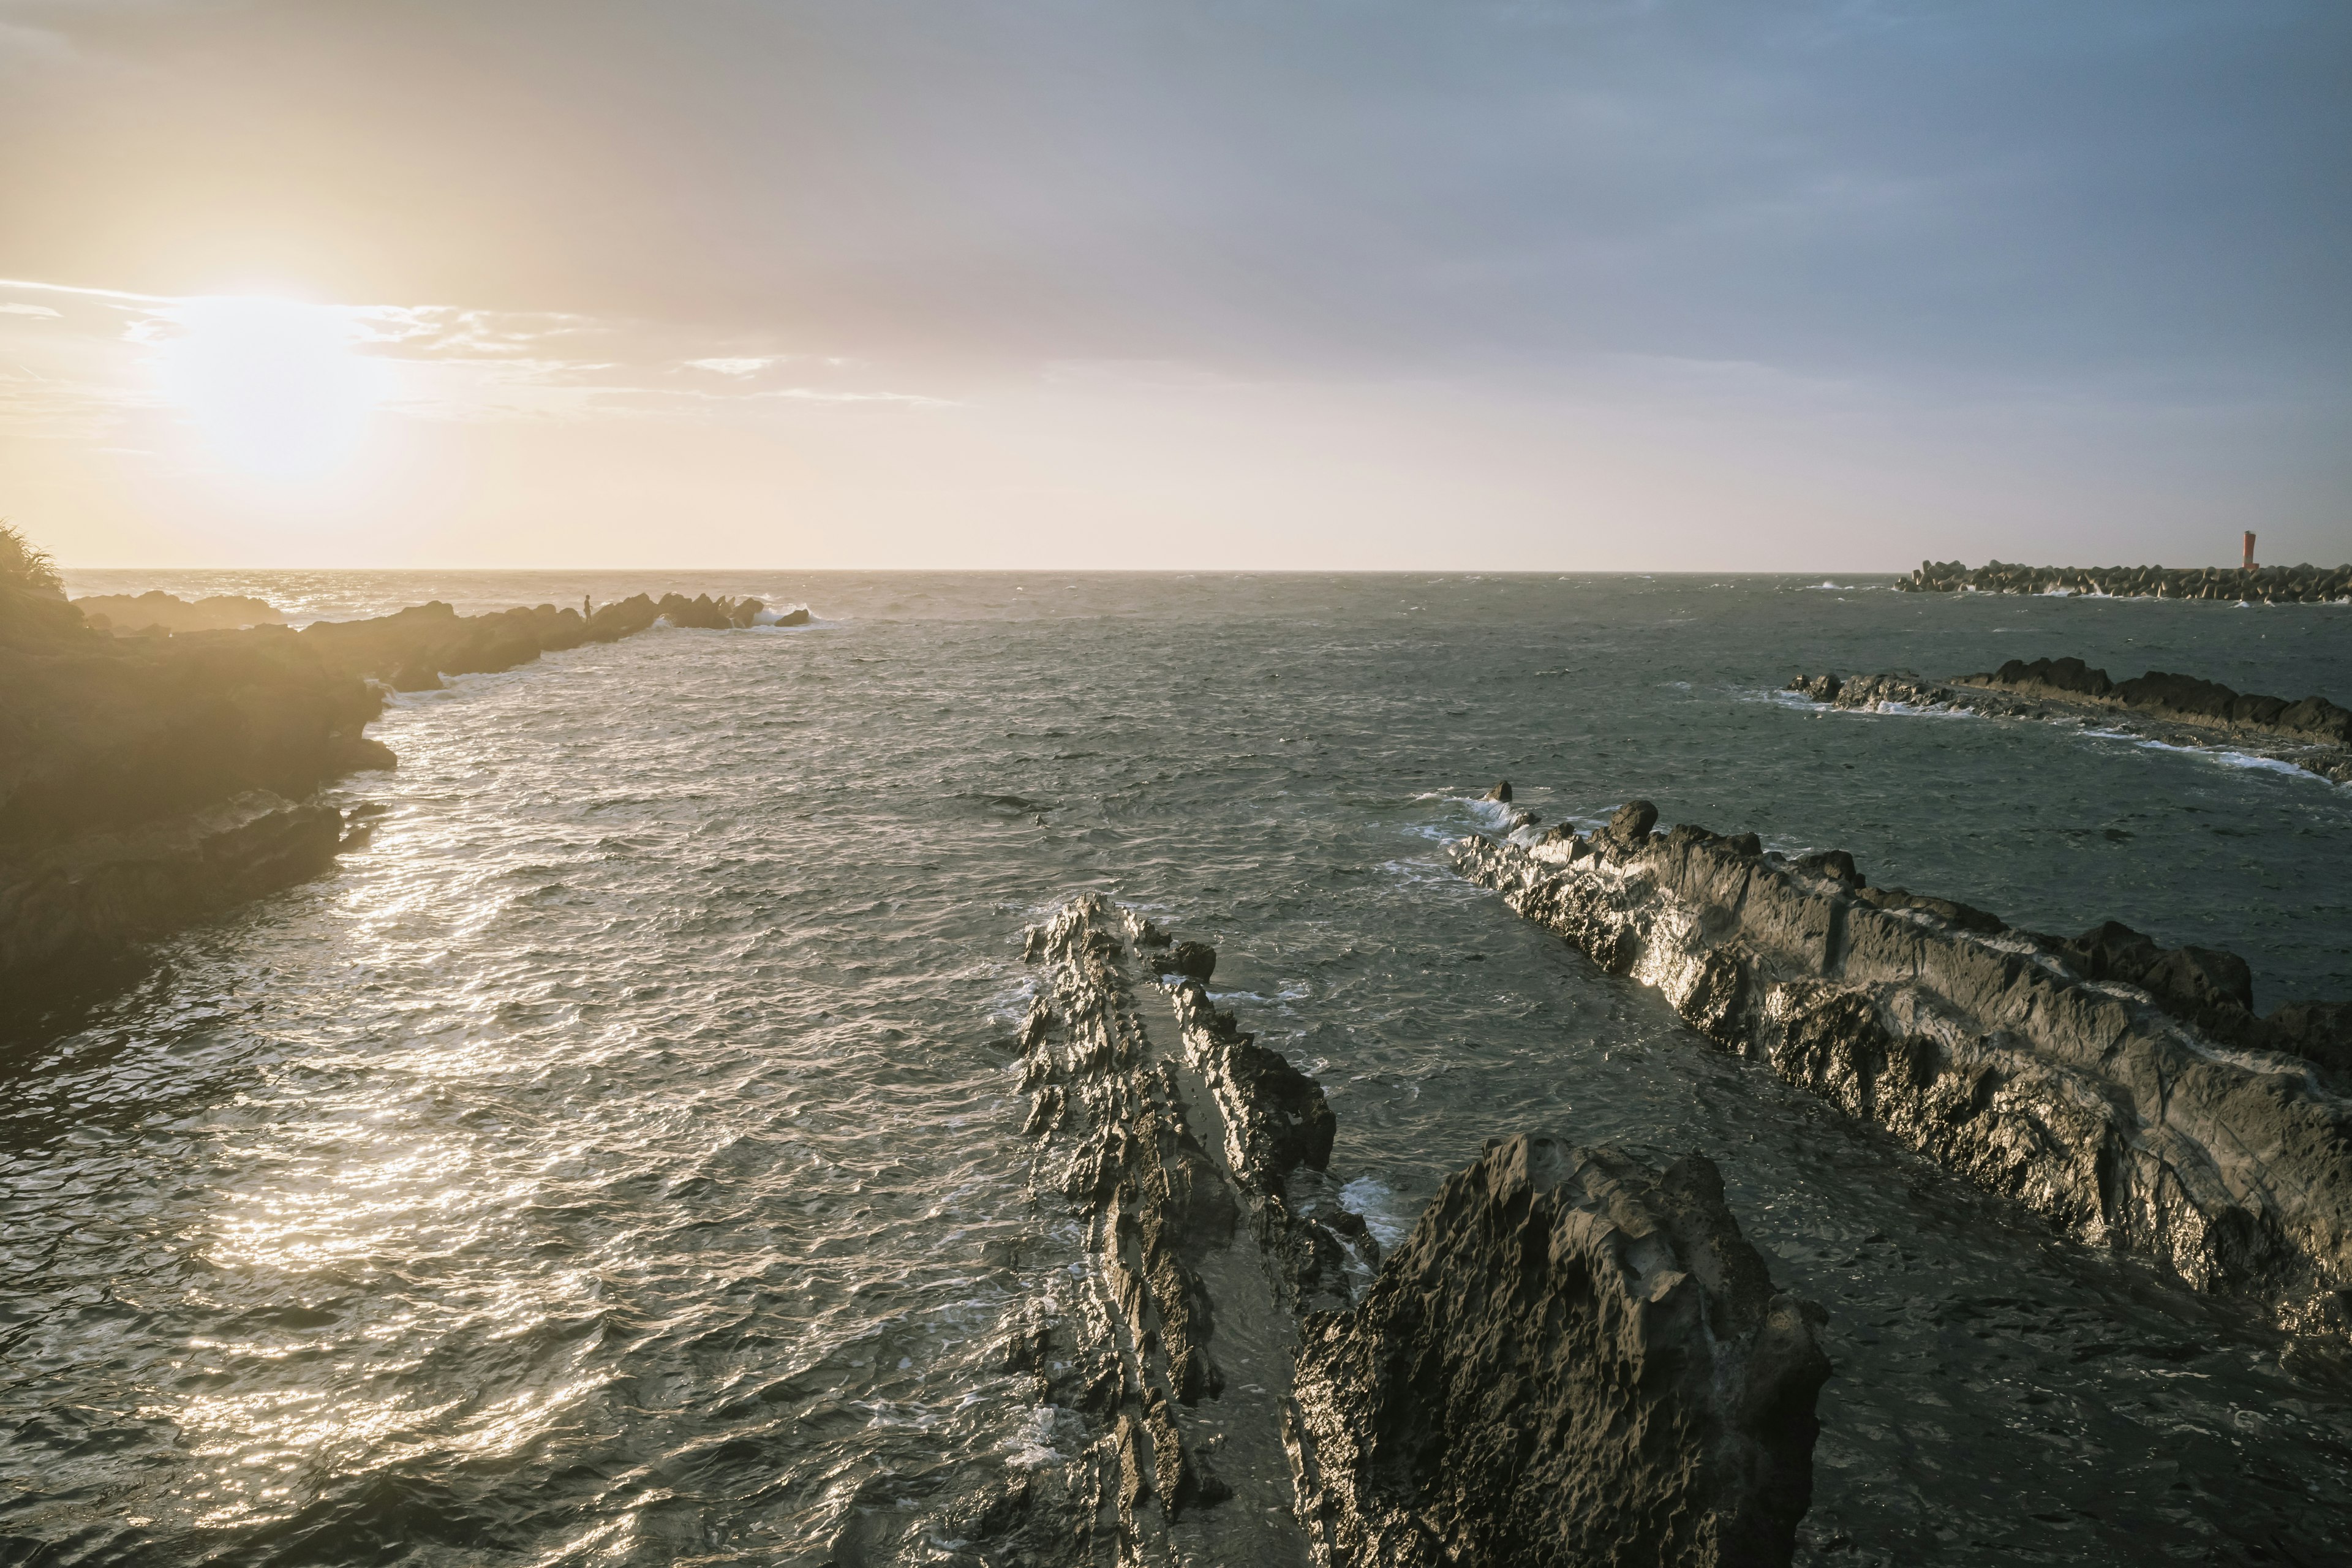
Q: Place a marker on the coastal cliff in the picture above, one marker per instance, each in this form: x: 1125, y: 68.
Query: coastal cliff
x: 2259, y: 585
x: 2311, y: 733
x: 1613, y: 1378
x: 150, y: 782
x: 2077, y: 1078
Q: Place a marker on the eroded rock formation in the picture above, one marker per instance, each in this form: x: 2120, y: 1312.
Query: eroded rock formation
x: 1572, y: 1360
x: 2312, y: 733
x: 2017, y: 1061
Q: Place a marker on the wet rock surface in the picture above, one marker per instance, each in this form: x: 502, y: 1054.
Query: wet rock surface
x: 2312, y: 733
x: 1172, y: 1146
x: 1572, y: 1359
x: 2262, y: 585
x: 2031, y: 1065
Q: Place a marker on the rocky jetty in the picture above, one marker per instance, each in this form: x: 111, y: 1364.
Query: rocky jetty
x: 150, y: 782
x: 414, y: 648
x: 1572, y: 1359
x: 1177, y: 1148
x: 128, y: 614
x: 2313, y: 733
x: 2094, y: 1081
x: 1620, y: 1371
x: 2304, y: 584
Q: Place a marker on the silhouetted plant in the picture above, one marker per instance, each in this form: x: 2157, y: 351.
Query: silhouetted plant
x: 26, y: 568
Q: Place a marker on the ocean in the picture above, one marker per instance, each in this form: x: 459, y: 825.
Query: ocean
x: 619, y: 1159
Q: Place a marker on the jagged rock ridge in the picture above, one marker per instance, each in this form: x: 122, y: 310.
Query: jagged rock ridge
x: 1180, y: 1162
x: 1666, y: 1389
x: 1570, y: 1360
x: 2082, y: 1098
x: 2313, y: 733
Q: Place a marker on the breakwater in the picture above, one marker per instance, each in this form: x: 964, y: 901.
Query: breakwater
x: 1614, y: 1377
x: 2303, y: 584
x: 2033, y: 1068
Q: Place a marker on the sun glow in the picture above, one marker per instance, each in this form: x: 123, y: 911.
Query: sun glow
x: 274, y: 386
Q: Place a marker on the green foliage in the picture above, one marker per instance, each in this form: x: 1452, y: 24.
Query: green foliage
x: 26, y: 568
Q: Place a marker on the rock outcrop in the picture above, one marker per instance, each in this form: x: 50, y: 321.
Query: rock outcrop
x: 2312, y: 733
x: 1179, y: 1157
x: 128, y: 614
x: 1572, y: 1359
x: 148, y: 781
x: 2263, y: 585
x: 2031, y: 1066
x: 1569, y: 1349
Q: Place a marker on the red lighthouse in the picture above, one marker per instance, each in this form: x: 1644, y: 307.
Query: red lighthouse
x: 2250, y: 550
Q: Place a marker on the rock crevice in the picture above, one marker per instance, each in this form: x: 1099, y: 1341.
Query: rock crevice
x: 1572, y: 1359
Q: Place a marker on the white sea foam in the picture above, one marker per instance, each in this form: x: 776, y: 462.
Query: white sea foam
x: 2234, y: 759
x: 1383, y: 1216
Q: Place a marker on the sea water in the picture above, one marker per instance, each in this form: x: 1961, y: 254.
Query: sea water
x: 618, y: 1159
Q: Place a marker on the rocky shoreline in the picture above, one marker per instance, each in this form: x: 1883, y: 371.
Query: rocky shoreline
x: 2312, y: 733
x: 150, y: 782
x: 2303, y: 584
x: 1620, y: 1383
x: 2123, y: 1092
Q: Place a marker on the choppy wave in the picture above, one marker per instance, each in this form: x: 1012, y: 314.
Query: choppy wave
x: 620, y: 1160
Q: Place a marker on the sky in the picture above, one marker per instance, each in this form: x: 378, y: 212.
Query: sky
x: 1320, y: 284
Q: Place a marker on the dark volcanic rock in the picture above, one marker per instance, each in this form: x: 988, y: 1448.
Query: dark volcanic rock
x: 1193, y: 960
x: 1629, y: 828
x: 2068, y: 675
x: 1501, y: 792
x: 2190, y: 980
x: 70, y: 910
x: 1572, y: 1360
x: 2179, y: 710
x: 149, y: 782
x: 2091, y: 1081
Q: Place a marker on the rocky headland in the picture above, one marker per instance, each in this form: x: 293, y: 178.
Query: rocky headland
x: 2311, y: 733
x: 130, y: 615
x: 2126, y: 1092
x: 2304, y: 584
x: 150, y: 782
x: 1611, y: 1377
